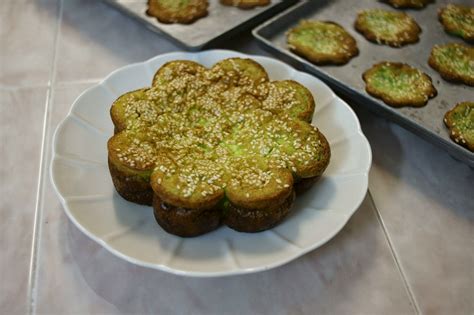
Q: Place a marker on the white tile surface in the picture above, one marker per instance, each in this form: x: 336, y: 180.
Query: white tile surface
x: 425, y: 199
x: 423, y: 196
x: 95, y: 39
x: 27, y: 33
x: 21, y: 120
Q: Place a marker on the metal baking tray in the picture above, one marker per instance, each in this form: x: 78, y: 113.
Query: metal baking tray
x: 426, y: 121
x: 221, y: 23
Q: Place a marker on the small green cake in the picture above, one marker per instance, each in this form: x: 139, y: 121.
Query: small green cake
x: 458, y: 20
x: 387, y: 27
x: 322, y: 42
x: 177, y: 11
x: 399, y: 84
x: 455, y: 62
x: 460, y: 122
x: 409, y: 4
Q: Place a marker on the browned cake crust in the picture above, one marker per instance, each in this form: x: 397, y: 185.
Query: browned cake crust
x: 131, y: 188
x: 186, y: 14
x: 257, y: 220
x: 305, y: 184
x: 246, y: 4
x: 409, y: 4
x: 185, y: 222
x: 194, y: 222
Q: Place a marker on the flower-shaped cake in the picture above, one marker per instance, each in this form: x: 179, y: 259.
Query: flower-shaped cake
x: 219, y: 145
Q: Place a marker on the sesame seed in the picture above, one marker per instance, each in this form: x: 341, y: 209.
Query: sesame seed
x: 209, y: 129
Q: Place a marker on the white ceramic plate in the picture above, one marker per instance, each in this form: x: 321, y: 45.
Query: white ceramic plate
x: 81, y: 179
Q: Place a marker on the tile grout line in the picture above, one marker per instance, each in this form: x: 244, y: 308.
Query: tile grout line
x: 407, y: 286
x: 33, y: 268
x: 23, y: 86
x: 37, y: 216
x: 48, y: 84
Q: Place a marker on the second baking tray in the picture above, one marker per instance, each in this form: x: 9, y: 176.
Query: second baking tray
x: 426, y: 121
x: 221, y: 22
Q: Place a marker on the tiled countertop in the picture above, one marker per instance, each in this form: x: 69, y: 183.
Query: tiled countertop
x: 408, y: 249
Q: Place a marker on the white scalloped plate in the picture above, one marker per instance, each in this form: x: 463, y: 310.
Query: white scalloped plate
x: 82, y: 181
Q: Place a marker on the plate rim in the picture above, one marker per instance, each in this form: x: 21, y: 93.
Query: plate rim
x: 208, y: 274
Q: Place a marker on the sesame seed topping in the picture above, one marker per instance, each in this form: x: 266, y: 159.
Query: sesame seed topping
x: 205, y: 130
